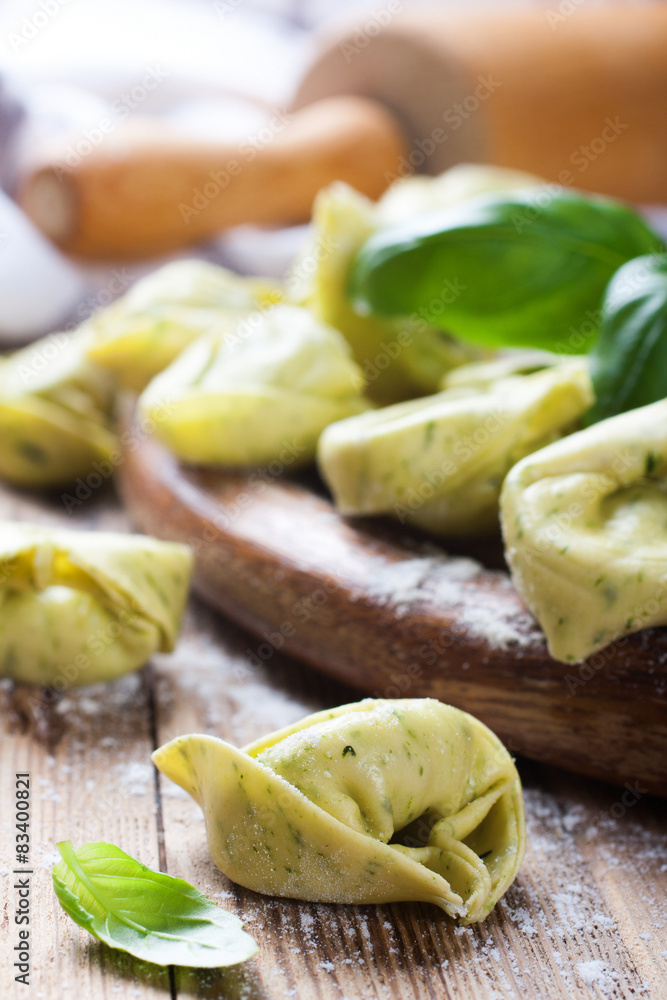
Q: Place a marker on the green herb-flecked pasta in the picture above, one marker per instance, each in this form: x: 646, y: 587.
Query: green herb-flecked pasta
x: 372, y: 802
x: 404, y: 356
x: 80, y: 607
x: 401, y: 357
x: 141, y: 333
x: 257, y: 393
x: 55, y: 408
x: 439, y: 462
x: 585, y: 528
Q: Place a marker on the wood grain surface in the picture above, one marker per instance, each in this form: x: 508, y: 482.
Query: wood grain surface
x: 586, y: 917
x: 387, y: 612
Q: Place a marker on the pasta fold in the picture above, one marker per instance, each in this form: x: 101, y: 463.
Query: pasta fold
x: 81, y: 607
x: 585, y: 529
x: 55, y: 410
x: 371, y: 802
x: 141, y: 333
x: 439, y: 462
x: 252, y: 396
x: 400, y: 358
x: 405, y: 357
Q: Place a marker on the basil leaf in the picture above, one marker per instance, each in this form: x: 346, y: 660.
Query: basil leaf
x: 151, y: 915
x: 629, y: 362
x: 518, y: 269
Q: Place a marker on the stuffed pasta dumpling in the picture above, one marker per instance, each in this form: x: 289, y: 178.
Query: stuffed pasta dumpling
x: 585, y: 528
x: 80, y: 607
x: 140, y: 334
x: 400, y: 358
x: 481, y: 375
x: 414, y: 195
x: 372, y: 802
x: 406, y: 356
x: 439, y: 462
x: 254, y: 396
x: 55, y: 408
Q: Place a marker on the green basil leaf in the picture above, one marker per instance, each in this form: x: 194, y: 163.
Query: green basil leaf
x: 629, y: 362
x: 151, y: 915
x: 525, y: 268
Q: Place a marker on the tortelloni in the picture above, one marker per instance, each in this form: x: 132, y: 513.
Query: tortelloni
x: 54, y: 413
x: 137, y: 336
x: 372, y: 802
x: 403, y: 357
x: 81, y: 607
x: 585, y: 527
x: 400, y: 358
x: 410, y: 196
x: 258, y: 395
x: 439, y: 462
x: 481, y: 375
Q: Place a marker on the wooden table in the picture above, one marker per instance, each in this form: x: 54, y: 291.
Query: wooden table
x: 587, y: 916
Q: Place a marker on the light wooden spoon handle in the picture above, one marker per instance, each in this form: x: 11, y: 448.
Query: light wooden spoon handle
x: 145, y: 190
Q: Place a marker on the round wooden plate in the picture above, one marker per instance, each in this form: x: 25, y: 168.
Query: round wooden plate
x: 397, y: 616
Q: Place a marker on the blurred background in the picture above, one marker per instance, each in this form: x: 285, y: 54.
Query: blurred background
x: 73, y: 72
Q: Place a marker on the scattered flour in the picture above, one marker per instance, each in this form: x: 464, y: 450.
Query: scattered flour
x: 47, y: 857
x: 595, y: 973
x: 135, y: 778
x: 403, y: 584
x: 574, y: 817
x: 438, y: 581
x: 485, y: 623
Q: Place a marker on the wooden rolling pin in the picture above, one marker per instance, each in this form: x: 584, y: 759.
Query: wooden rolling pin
x: 579, y: 98
x: 145, y: 190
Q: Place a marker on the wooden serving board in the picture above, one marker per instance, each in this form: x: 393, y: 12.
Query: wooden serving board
x: 394, y: 615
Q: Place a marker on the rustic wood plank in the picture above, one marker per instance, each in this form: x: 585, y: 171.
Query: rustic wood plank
x: 566, y: 921
x: 87, y: 757
x: 87, y: 752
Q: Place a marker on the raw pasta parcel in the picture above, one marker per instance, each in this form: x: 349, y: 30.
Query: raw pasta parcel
x: 372, y: 802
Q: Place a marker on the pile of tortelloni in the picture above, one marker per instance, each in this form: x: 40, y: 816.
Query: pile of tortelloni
x: 403, y: 420
x: 228, y: 350
x: 373, y: 802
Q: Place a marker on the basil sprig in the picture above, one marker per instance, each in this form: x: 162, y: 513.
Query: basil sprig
x: 526, y: 268
x: 151, y: 915
x: 629, y: 361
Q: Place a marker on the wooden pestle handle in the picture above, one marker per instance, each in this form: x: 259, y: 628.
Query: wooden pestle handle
x: 146, y: 190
